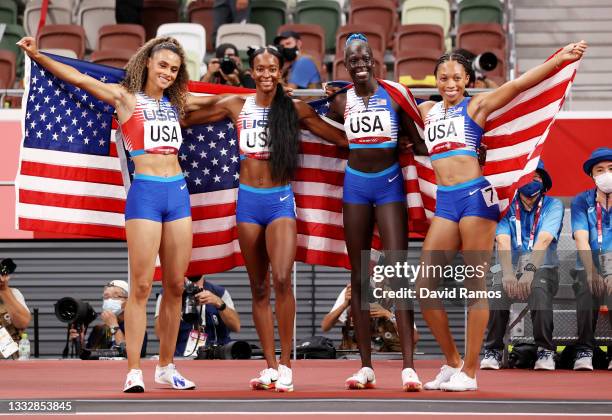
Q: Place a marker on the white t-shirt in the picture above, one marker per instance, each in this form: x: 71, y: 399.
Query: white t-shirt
x: 19, y: 296
x: 339, y: 302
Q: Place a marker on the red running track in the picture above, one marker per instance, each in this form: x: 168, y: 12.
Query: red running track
x: 76, y: 379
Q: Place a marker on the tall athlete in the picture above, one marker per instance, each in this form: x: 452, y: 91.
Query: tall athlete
x: 467, y: 208
x: 373, y: 193
x: 268, y: 125
x: 148, y: 103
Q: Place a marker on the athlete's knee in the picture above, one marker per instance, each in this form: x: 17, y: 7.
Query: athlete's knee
x: 260, y: 293
x: 140, y: 291
x: 174, y: 288
x: 282, y: 283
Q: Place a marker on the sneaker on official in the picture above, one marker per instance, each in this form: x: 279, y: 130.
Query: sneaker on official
x: 443, y: 376
x: 134, y: 382
x: 546, y: 359
x: 266, y: 380
x: 364, y: 378
x: 168, y: 375
x: 492, y: 360
x: 460, y: 382
x: 410, y: 380
x: 583, y: 360
x: 285, y: 379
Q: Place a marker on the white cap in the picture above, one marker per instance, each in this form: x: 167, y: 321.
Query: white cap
x: 120, y: 284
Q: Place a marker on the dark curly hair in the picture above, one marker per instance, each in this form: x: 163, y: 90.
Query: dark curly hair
x: 283, y: 127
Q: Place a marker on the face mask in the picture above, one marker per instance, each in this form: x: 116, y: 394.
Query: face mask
x: 289, y: 54
x: 604, y: 182
x: 532, y: 189
x: 113, y: 305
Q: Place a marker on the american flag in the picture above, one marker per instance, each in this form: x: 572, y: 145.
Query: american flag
x: 69, y: 185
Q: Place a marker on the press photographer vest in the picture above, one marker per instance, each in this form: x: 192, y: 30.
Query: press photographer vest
x: 6, y: 322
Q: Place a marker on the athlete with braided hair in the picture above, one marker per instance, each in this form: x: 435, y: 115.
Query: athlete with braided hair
x: 467, y: 208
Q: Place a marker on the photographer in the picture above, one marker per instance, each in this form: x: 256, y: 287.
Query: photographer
x: 14, y: 313
x: 218, y: 317
x: 592, y: 230
x: 527, y: 250
x: 111, y: 333
x: 300, y: 71
x: 226, y: 68
x: 478, y: 79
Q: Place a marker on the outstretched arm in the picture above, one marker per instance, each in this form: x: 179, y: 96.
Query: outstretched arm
x: 212, y: 108
x: 486, y: 103
x: 310, y: 120
x: 111, y: 93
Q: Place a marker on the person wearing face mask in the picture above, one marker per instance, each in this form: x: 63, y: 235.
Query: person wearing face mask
x: 111, y: 332
x: 592, y: 230
x: 527, y: 251
x: 300, y: 71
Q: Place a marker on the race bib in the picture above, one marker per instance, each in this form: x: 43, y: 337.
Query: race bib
x: 162, y: 134
x: 450, y: 130
x: 489, y: 194
x: 254, y: 138
x: 368, y: 126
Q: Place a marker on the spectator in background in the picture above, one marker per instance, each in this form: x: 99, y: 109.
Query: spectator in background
x: 218, y: 316
x: 226, y: 68
x: 111, y: 332
x: 592, y: 230
x: 14, y: 313
x: 527, y: 251
x: 382, y: 321
x: 230, y: 11
x: 299, y: 71
x: 129, y: 11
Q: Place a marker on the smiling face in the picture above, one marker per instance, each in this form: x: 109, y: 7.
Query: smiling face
x: 359, y: 62
x: 163, y: 67
x: 266, y: 72
x: 451, y: 80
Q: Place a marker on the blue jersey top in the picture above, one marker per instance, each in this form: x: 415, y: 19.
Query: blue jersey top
x: 584, y: 217
x: 550, y: 221
x: 373, y: 124
x: 451, y: 131
x: 304, y: 72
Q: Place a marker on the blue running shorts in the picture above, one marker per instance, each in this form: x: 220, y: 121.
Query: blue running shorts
x: 472, y: 198
x: 264, y: 205
x: 157, y: 198
x: 376, y: 188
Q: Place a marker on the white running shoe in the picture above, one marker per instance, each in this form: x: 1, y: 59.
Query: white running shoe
x: 285, y: 379
x: 546, y: 359
x: 492, y: 360
x: 168, y: 375
x: 583, y: 361
x: 134, y: 382
x: 410, y: 380
x: 364, y: 378
x: 610, y: 365
x: 266, y: 380
x: 460, y: 382
x: 443, y: 376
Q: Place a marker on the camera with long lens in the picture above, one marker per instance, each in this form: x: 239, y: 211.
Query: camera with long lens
x: 7, y: 266
x: 101, y: 354
x: 485, y: 62
x: 236, y: 350
x: 227, y: 65
x: 74, y: 311
x: 191, y: 306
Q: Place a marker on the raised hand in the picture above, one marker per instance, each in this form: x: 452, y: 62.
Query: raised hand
x: 28, y: 45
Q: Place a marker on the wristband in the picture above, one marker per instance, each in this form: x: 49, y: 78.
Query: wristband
x: 222, y: 307
x: 530, y: 267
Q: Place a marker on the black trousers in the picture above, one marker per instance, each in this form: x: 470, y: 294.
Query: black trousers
x: 544, y: 287
x: 587, y: 313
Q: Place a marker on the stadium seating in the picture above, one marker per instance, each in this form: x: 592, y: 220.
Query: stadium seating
x: 242, y: 35
x: 481, y: 37
x: 158, y: 12
x: 419, y: 36
x: 192, y: 37
x: 7, y: 69
x: 115, y: 58
x: 201, y: 11
x: 432, y: 12
x: 94, y: 14
x: 125, y: 36
x: 325, y: 13
x: 193, y: 64
x: 70, y: 37
x: 374, y: 32
x: 480, y: 11
x: 8, y: 12
x: 340, y: 72
x: 60, y: 51
x: 311, y: 35
x: 418, y: 64
x: 59, y: 12
x: 12, y: 34
x: 381, y: 12
x: 271, y: 14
